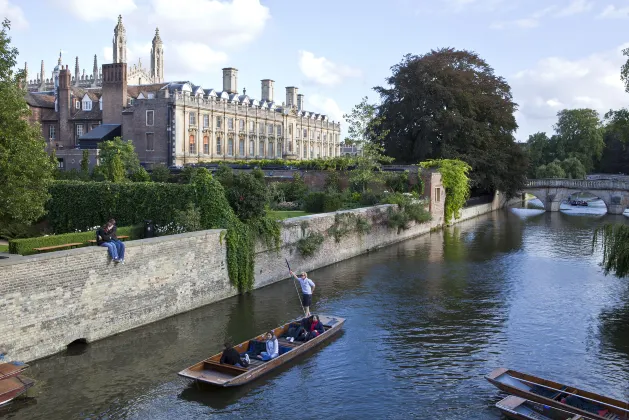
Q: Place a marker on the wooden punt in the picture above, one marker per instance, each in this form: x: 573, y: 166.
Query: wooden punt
x: 587, y: 404
x: 523, y: 409
x: 211, y: 371
x: 8, y: 370
x: 13, y: 387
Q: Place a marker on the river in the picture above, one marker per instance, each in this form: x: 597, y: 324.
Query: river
x: 426, y: 320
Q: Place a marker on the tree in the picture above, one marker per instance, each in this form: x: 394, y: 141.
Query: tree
x: 579, y: 135
x: 539, y: 151
x: 615, y: 158
x: 449, y: 104
x: 25, y: 168
x: 552, y: 170
x: 85, y: 161
x: 614, y: 241
x: 115, y: 169
x: 247, y: 196
x: 141, y: 175
x: 160, y: 173
x: 365, y: 129
x: 573, y: 168
x: 624, y: 70
x: 125, y: 152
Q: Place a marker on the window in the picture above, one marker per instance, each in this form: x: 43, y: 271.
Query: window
x: 218, y: 146
x: 241, y: 124
x: 270, y: 149
x: 193, y: 146
x: 270, y: 129
x: 261, y: 128
x: 87, y: 105
x: 230, y: 123
x: 60, y: 164
x: 330, y: 151
x: 151, y: 95
x: 279, y: 130
x: 305, y: 152
x: 252, y: 126
x: 149, y: 142
x: 325, y: 136
x: 305, y: 133
x: 241, y: 147
x: 261, y: 148
x: 100, y: 104
x: 252, y: 148
x: 318, y: 135
x: 311, y: 134
x: 206, y: 121
x: 206, y: 145
x: 193, y: 118
x: 51, y: 132
x: 311, y: 152
x: 437, y: 194
x: 218, y: 122
x: 279, y: 149
x: 230, y: 147
x: 150, y: 118
x: 290, y: 129
x: 77, y: 105
x: 79, y: 130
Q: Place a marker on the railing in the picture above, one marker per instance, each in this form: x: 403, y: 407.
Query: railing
x: 583, y: 184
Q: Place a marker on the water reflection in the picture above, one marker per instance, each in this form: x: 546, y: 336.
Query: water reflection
x: 426, y: 319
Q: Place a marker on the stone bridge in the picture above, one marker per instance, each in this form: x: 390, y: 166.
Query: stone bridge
x: 551, y: 192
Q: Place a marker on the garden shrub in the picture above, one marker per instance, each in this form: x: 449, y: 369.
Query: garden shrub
x: 310, y: 244
x: 313, y: 202
x: 25, y: 246
x: 397, y: 182
x: 247, y: 195
x: 160, y: 173
x: 332, y: 202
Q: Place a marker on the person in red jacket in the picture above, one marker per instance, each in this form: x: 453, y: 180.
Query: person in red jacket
x: 316, y: 328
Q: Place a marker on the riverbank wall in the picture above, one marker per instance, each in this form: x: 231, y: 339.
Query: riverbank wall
x: 51, y: 300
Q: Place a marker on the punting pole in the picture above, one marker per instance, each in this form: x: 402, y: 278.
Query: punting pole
x: 296, y: 289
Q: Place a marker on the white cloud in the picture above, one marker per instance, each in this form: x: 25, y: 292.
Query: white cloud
x: 92, y: 10
x: 613, y: 12
x: 575, y: 7
x: 195, y: 57
x: 323, y: 71
x: 14, y: 13
x: 324, y: 105
x: 556, y: 83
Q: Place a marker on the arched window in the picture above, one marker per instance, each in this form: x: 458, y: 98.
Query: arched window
x: 193, y: 146
x: 206, y: 145
x: 279, y: 149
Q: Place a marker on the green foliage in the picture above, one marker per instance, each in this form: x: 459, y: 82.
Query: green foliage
x: 335, y: 163
x: 344, y: 223
x: 160, y: 173
x: 397, y: 182
x: 25, y: 168
x: 310, y: 244
x: 540, y: 152
x: 141, y: 175
x: 614, y: 240
x: 297, y: 189
x: 187, y: 174
x: 454, y: 179
x: 624, y: 70
x: 126, y: 153
x: 573, y: 168
x: 449, y: 104
x: 362, y: 225
x: 333, y: 182
x: 225, y: 175
x: 615, y: 158
x: 579, y: 135
x: 552, y: 170
x: 268, y: 230
x: 247, y: 195
x: 409, y: 209
x: 313, y: 202
x: 114, y: 169
x: 188, y: 220
x: 85, y: 162
x: 25, y: 246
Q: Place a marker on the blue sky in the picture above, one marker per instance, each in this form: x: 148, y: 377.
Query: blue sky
x: 555, y: 54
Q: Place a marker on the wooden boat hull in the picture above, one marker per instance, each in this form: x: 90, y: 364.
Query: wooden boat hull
x: 13, y: 387
x: 587, y: 404
x: 8, y: 370
x: 211, y: 372
x: 522, y: 409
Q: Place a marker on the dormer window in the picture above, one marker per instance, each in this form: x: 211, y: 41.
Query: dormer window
x: 151, y: 95
x: 77, y: 105
x: 100, y: 103
x: 87, y: 105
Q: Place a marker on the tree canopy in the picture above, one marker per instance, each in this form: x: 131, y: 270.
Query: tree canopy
x: 579, y: 135
x: 449, y: 104
x: 25, y: 168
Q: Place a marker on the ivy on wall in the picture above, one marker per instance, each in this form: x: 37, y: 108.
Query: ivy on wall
x: 456, y: 182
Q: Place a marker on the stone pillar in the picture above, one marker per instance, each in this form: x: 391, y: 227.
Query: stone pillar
x: 553, y: 202
x: 617, y: 205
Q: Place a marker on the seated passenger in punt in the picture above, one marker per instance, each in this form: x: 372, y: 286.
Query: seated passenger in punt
x: 231, y: 356
x: 299, y: 330
x: 315, y: 329
x: 272, y: 348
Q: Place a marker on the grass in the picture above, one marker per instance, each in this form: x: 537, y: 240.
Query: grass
x: 281, y: 215
x: 4, y: 248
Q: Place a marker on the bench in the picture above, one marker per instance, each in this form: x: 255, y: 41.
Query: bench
x: 121, y: 237
x: 235, y: 370
x: 57, y: 247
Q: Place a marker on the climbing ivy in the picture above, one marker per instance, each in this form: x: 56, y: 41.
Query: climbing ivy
x: 456, y: 182
x: 310, y: 242
x: 614, y: 240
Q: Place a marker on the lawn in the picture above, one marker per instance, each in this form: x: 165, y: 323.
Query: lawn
x: 4, y: 248
x: 281, y: 215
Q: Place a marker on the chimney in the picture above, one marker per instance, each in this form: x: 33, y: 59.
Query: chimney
x: 230, y: 80
x: 77, y: 73
x: 95, y: 72
x: 114, y: 92
x: 300, y: 102
x: 64, y: 107
x: 267, y: 90
x: 291, y: 96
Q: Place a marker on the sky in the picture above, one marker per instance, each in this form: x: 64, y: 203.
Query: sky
x: 555, y: 54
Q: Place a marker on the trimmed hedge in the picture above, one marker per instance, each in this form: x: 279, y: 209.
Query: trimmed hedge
x: 80, y: 206
x: 25, y: 246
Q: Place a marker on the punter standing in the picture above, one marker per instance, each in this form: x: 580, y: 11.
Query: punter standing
x: 307, y: 288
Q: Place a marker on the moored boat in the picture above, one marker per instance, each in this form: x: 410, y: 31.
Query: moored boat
x: 522, y: 409
x: 13, y: 387
x: 554, y: 394
x: 8, y: 370
x: 211, y: 371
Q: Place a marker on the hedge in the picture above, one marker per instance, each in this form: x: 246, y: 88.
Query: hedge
x: 25, y: 246
x: 77, y: 205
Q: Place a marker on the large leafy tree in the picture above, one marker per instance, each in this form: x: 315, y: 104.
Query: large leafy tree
x: 113, y: 150
x: 449, y: 104
x: 25, y: 168
x: 579, y: 135
x: 615, y: 158
x: 540, y: 151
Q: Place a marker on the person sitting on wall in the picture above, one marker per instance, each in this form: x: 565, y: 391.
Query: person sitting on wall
x: 231, y: 356
x: 106, y: 236
x: 316, y: 328
x: 272, y: 348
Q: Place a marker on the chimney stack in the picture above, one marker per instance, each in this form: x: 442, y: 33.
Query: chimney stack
x: 114, y: 92
x: 267, y: 90
x: 291, y: 96
x: 64, y: 107
x: 300, y: 102
x: 230, y: 80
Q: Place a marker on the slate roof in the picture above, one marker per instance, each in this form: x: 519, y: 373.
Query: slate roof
x: 94, y: 114
x: 40, y: 100
x: 134, y: 91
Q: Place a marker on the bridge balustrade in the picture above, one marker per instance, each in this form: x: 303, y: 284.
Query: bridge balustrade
x: 608, y: 184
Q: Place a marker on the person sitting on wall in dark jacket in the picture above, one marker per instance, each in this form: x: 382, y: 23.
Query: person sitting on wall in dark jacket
x: 106, y: 236
x: 231, y: 356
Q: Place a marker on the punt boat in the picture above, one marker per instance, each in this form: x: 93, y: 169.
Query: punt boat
x: 212, y: 372
x: 522, y: 409
x: 8, y: 370
x: 13, y: 387
x: 554, y: 394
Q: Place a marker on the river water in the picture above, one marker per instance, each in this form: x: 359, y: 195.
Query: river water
x: 426, y: 320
